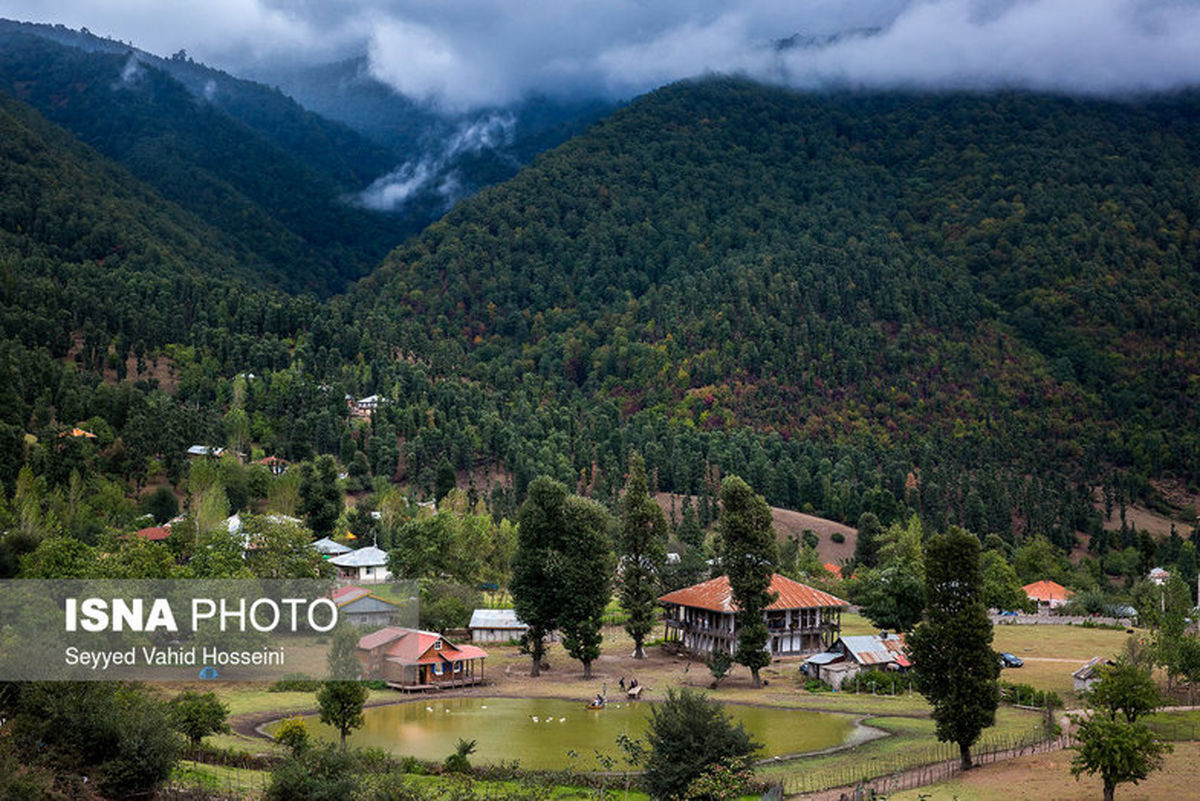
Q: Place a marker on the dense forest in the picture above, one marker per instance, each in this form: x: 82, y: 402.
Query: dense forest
x: 977, y: 308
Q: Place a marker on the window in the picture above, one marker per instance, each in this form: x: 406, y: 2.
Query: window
x: 437, y: 645
x: 458, y: 667
x: 437, y: 669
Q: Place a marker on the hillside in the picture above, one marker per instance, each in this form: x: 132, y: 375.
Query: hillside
x: 957, y: 281
x: 280, y: 196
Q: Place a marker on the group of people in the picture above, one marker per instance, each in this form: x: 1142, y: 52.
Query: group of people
x: 633, y: 682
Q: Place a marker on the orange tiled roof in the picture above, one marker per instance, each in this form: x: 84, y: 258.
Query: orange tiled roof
x: 155, y: 533
x: 716, y: 595
x: 1047, y: 591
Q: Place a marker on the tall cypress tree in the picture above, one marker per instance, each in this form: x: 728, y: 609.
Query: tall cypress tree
x: 954, y: 665
x: 533, y: 586
x: 561, y: 571
x: 641, y: 546
x: 748, y: 555
x: 584, y: 578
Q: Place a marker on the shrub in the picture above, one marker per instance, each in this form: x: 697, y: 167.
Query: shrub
x: 295, y: 683
x: 1027, y: 695
x: 878, y: 682
x: 838, y: 537
x: 293, y: 735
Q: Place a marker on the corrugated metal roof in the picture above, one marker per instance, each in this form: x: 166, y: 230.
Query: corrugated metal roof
x: 370, y: 556
x: 496, y: 619
x: 871, y: 649
x: 716, y: 595
x: 328, y: 546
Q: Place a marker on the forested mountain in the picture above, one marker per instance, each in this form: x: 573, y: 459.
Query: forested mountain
x: 983, y: 281
x: 979, y: 308
x: 282, y: 197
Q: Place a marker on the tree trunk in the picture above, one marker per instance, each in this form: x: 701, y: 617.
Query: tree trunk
x: 342, y: 732
x: 639, y: 652
x: 965, y: 751
x: 1110, y: 789
x: 754, y: 675
x: 587, y: 670
x: 536, y: 652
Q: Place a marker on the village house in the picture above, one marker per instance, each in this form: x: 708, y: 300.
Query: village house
x: 358, y: 606
x: 1047, y: 594
x: 328, y: 548
x: 801, y: 620
x: 154, y: 533
x: 851, y: 655
x: 1159, y: 576
x: 367, y: 564
x: 211, y: 451
x: 411, y: 659
x: 1089, y: 673
x: 496, y: 625
x: 277, y: 465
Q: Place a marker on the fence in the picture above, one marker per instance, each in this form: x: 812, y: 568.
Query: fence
x: 915, y: 767
x: 193, y: 780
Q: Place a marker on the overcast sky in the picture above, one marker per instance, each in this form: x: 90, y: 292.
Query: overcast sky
x: 469, y: 53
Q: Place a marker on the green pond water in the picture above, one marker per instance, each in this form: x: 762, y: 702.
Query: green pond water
x: 540, y: 732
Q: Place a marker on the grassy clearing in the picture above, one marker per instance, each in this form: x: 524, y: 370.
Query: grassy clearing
x: 1062, y: 642
x: 912, y: 742
x: 1047, y: 776
x: 233, y: 781
x: 1183, y: 725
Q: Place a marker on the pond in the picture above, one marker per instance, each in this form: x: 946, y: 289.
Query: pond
x: 540, y: 732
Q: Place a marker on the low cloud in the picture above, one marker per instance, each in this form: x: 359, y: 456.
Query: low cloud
x: 478, y: 53
x: 434, y: 173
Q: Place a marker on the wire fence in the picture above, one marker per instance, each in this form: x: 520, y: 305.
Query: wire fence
x: 916, y: 767
x: 1175, y: 729
x: 192, y: 781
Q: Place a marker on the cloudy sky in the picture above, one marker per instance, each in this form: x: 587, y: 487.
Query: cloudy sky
x: 471, y: 53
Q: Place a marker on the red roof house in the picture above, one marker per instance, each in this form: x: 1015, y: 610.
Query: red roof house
x: 411, y: 659
x: 1048, y: 594
x: 802, y: 619
x: 153, y: 533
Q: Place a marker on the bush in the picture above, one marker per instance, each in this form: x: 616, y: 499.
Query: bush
x: 838, y: 537
x: 295, y: 683
x: 1027, y: 695
x: 292, y: 735
x: 315, y: 774
x: 878, y: 682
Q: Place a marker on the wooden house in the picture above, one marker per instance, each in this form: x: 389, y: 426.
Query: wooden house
x: 358, y: 606
x: 411, y: 659
x: 850, y: 655
x: 801, y: 620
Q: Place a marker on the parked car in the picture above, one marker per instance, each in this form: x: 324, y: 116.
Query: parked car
x: 1010, y: 661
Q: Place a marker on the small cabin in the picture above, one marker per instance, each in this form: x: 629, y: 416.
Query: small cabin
x: 412, y: 659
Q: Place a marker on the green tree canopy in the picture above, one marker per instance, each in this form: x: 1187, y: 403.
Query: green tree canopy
x: 954, y: 665
x: 748, y: 556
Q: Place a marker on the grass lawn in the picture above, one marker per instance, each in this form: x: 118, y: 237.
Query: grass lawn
x: 1047, y: 776
x: 237, y: 781
x: 1184, y: 725
x: 912, y: 742
x: 1051, y: 653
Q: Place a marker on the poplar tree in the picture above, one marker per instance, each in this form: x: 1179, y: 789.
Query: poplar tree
x: 748, y: 555
x: 535, y: 598
x: 584, y: 578
x: 954, y: 665
x: 561, y: 571
x: 641, y: 546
